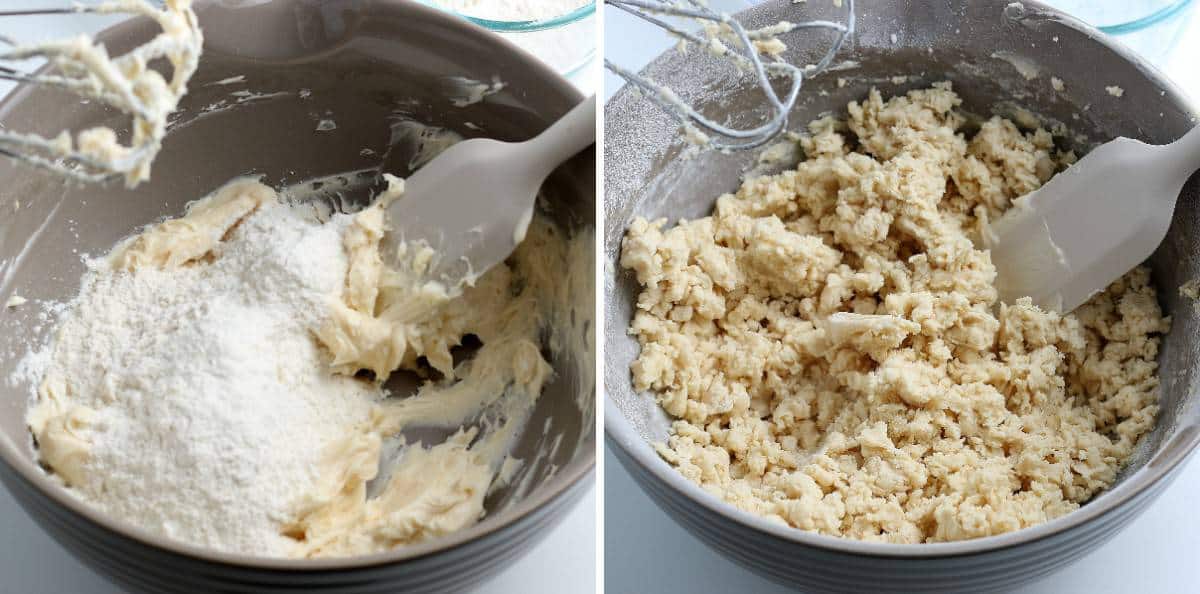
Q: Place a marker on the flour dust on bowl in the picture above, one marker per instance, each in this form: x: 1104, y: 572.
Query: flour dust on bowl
x: 1021, y: 63
x: 337, y: 87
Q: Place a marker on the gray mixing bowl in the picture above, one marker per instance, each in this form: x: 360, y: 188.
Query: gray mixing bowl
x: 928, y: 40
x: 363, y: 63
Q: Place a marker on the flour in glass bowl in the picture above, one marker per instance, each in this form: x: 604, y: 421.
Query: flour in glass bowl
x: 564, y: 47
x: 511, y: 10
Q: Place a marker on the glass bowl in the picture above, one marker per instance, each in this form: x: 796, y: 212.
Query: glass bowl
x: 566, y: 42
x: 1150, y: 27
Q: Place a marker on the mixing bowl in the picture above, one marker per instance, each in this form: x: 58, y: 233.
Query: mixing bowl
x: 363, y: 65
x: 978, y: 46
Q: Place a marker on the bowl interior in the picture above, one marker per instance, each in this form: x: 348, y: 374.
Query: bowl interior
x: 986, y: 49
x: 364, y: 70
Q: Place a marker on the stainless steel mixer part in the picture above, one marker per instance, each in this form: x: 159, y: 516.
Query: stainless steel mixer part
x: 78, y: 67
x: 744, y: 54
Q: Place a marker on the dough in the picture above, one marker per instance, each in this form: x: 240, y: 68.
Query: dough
x: 829, y: 343
x: 176, y: 242
x: 382, y: 319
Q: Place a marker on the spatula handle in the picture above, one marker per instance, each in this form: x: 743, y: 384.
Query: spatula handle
x: 566, y: 137
x: 1185, y: 153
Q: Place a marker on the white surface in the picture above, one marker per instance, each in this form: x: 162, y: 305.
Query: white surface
x: 32, y: 563
x: 647, y: 553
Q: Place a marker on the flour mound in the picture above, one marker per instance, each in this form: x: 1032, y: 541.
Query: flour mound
x: 512, y: 10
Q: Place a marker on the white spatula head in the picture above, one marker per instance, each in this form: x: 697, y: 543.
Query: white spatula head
x: 1091, y: 223
x: 473, y: 203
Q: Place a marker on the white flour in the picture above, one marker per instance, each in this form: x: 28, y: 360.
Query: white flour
x: 216, y: 403
x: 123, y: 82
x: 511, y: 10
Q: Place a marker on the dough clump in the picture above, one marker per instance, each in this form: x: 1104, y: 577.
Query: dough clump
x: 830, y: 344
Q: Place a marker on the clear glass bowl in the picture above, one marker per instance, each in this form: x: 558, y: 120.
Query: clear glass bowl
x: 566, y: 42
x: 1149, y: 27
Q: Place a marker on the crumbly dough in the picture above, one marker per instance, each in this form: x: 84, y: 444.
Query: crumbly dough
x: 830, y: 344
x: 1191, y: 289
x: 382, y: 320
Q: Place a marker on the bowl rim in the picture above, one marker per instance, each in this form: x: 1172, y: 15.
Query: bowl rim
x: 561, y: 484
x: 1163, y: 13
x: 526, y: 26
x: 620, y: 433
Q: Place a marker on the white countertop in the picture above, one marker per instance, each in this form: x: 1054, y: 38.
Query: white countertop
x: 647, y: 553
x: 32, y: 563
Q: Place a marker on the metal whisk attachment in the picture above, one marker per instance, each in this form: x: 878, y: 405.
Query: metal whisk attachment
x: 753, y: 50
x: 125, y: 82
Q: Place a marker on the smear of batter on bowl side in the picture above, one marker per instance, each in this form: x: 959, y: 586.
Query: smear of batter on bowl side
x: 831, y: 348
